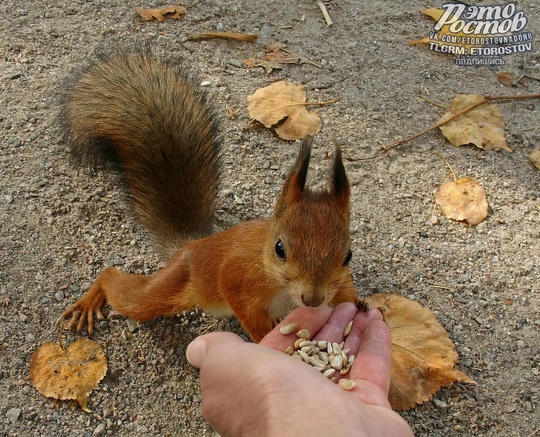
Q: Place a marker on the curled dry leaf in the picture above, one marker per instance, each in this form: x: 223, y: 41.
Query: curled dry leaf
x: 423, y: 356
x: 482, y: 126
x: 282, y: 107
x: 535, y: 158
x: 463, y: 200
x: 160, y: 14
x: 70, y: 373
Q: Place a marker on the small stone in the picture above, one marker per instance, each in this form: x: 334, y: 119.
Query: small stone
x: 266, y: 32
x: 206, y: 83
x: 132, y: 325
x: 440, y: 404
x: 236, y: 63
x: 13, y: 414
x: 99, y: 430
x: 59, y: 296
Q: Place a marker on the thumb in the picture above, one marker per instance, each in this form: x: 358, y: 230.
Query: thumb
x: 206, y: 347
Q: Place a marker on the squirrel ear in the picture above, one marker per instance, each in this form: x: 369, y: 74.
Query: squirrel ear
x: 340, y: 183
x: 296, y: 179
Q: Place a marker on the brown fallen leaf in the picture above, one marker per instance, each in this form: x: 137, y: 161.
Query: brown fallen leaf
x: 423, y: 356
x: 482, y: 126
x: 282, y: 106
x: 268, y: 66
x: 70, y: 373
x: 506, y: 79
x: 534, y: 156
x: 160, y: 14
x: 463, y: 200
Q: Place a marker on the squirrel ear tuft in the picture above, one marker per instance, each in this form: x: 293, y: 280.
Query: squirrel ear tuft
x: 296, y: 179
x: 340, y: 182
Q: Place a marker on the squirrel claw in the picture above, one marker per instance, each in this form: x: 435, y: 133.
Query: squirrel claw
x: 363, y: 306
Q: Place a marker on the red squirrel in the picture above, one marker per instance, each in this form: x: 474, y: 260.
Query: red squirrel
x: 144, y: 118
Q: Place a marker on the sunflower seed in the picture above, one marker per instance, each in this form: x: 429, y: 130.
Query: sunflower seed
x: 304, y: 356
x: 337, y: 362
x: 347, y: 384
x: 329, y: 348
x: 288, y: 328
x: 323, y: 356
x: 307, y: 350
x: 297, y: 343
x: 303, y: 333
x: 289, y: 350
x: 347, y: 329
x: 315, y: 361
x: 329, y: 373
x: 322, y: 344
x: 305, y: 343
x: 345, y: 370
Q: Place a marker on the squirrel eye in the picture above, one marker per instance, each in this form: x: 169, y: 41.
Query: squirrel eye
x: 280, y: 250
x: 348, y: 259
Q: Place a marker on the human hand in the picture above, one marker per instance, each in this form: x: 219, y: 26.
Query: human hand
x: 251, y: 389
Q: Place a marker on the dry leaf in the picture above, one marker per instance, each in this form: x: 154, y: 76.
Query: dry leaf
x: 506, y: 79
x: 268, y: 66
x: 423, y: 356
x: 535, y: 158
x: 463, y: 200
x: 282, y: 106
x: 68, y: 374
x: 482, y: 126
x: 160, y: 14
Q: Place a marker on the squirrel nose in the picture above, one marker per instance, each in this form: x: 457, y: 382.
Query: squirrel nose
x: 312, y: 300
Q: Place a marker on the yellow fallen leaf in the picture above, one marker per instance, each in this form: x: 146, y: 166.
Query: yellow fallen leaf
x: 70, y: 373
x: 463, y: 200
x: 535, y: 158
x: 282, y: 106
x: 482, y: 126
x: 423, y: 356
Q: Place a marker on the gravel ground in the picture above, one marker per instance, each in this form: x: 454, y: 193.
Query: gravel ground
x: 61, y: 227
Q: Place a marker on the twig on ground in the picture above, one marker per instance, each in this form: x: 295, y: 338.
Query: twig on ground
x: 485, y: 99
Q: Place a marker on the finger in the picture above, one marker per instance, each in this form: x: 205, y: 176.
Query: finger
x: 333, y: 329
x: 312, y: 319
x: 203, y: 348
x: 374, y: 360
x: 353, y: 340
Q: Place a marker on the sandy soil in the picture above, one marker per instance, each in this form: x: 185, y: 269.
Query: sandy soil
x: 61, y: 227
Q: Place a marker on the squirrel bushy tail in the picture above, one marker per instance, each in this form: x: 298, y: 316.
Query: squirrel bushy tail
x: 144, y: 118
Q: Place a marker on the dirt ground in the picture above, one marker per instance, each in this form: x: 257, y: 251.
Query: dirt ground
x: 59, y: 227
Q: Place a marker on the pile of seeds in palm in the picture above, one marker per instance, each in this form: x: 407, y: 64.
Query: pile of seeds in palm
x: 327, y: 357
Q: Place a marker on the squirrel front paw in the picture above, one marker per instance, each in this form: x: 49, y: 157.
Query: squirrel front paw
x: 83, y: 310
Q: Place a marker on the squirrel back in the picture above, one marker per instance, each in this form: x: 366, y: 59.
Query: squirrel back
x: 144, y: 118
